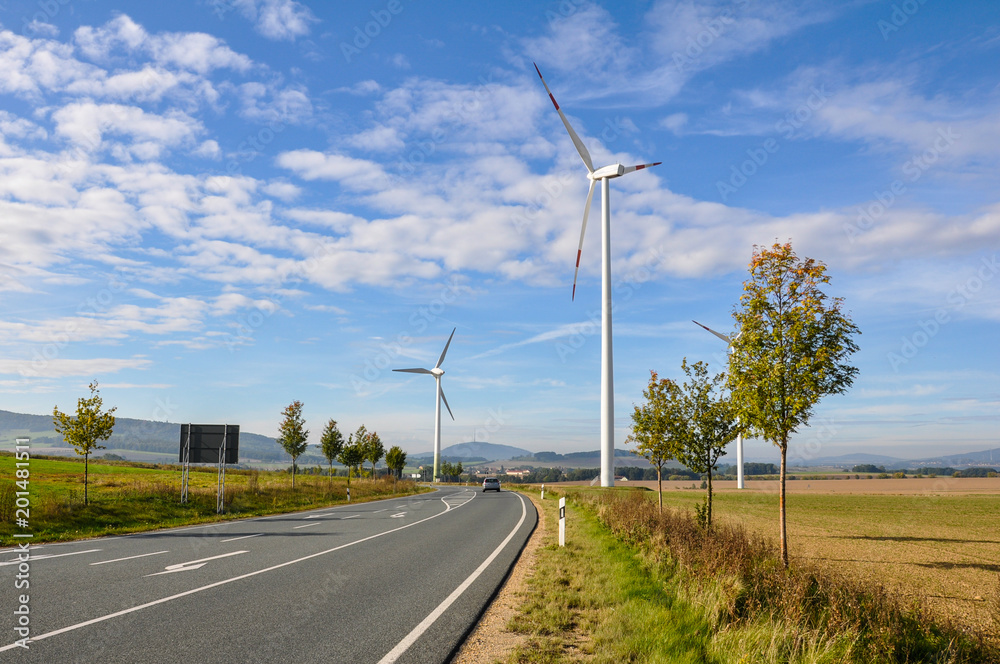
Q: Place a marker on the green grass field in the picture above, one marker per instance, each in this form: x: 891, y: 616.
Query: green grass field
x: 125, y: 497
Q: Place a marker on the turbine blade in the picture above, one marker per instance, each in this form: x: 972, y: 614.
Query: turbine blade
x: 718, y: 334
x: 583, y: 230
x: 445, y: 401
x: 580, y: 147
x: 629, y: 169
x: 445, y: 351
x: 421, y: 371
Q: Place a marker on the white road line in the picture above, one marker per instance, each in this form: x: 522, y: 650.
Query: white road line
x: 118, y: 560
x: 54, y: 555
x: 308, y: 525
x: 425, y: 624
x: 233, y: 539
x: 377, y: 511
x: 199, y: 589
x: 353, y: 516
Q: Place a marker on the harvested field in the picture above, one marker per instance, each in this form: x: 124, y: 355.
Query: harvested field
x: 935, y: 540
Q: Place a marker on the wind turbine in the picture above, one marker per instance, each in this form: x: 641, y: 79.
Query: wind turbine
x: 739, y: 436
x: 604, y: 174
x: 437, y: 372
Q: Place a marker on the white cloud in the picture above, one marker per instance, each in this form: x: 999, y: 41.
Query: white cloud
x: 277, y: 19
x: 60, y: 368
x: 356, y: 174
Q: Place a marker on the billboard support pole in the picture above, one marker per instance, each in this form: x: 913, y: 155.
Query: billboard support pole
x: 186, y: 461
x: 220, y: 502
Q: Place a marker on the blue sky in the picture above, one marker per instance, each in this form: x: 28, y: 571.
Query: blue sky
x: 217, y: 207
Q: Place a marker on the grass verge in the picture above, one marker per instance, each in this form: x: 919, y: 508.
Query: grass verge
x: 635, y: 586
x: 128, y: 497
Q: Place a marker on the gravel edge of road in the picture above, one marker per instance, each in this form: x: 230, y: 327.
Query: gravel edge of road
x: 490, y: 641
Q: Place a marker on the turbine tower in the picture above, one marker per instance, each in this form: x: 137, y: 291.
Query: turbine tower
x: 437, y: 372
x: 604, y: 174
x: 739, y: 436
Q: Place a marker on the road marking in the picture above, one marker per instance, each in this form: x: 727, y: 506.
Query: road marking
x: 377, y: 511
x: 308, y: 525
x: 233, y: 539
x: 396, y: 516
x: 118, y: 560
x: 353, y: 516
x: 425, y: 624
x: 53, y: 555
x: 194, y: 564
x: 163, y: 600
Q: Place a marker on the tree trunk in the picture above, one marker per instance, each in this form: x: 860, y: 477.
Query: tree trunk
x: 708, y: 519
x: 659, y: 486
x: 86, y: 477
x: 293, y: 473
x: 781, y: 505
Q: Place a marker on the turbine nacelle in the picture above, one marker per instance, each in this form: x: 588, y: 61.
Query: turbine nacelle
x: 612, y: 171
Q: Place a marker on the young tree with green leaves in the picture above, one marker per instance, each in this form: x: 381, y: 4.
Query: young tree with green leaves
x: 85, y: 430
x: 710, y: 424
x: 292, y: 433
x: 374, y: 450
x: 331, y: 443
x: 351, y: 456
x: 395, y: 459
x: 791, y: 350
x: 655, y: 425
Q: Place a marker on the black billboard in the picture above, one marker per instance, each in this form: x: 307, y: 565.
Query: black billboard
x: 206, y: 441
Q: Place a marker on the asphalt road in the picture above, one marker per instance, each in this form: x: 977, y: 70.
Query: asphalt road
x: 400, y: 580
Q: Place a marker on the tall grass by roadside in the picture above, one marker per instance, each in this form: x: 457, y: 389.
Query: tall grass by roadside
x: 798, y: 614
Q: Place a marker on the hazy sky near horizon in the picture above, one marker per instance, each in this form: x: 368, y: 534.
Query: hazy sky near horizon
x: 216, y: 207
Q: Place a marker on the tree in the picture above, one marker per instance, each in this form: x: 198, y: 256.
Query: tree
x: 85, y: 430
x: 293, y: 434
x: 655, y: 424
x: 331, y: 443
x: 351, y: 456
x: 374, y: 450
x: 395, y: 458
x: 791, y: 350
x: 710, y: 424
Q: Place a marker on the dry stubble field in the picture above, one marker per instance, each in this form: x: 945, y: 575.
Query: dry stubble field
x: 936, y: 540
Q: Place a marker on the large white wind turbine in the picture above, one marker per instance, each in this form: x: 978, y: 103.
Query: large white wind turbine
x: 739, y: 437
x: 604, y: 174
x: 437, y: 372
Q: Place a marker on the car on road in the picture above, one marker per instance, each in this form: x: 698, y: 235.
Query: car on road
x: 491, y: 484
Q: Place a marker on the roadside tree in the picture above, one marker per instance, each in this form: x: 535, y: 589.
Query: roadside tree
x: 292, y: 434
x: 791, y: 350
x: 374, y: 450
x: 351, y: 456
x: 331, y: 443
x: 655, y: 426
x: 710, y: 425
x: 395, y: 458
x: 85, y: 430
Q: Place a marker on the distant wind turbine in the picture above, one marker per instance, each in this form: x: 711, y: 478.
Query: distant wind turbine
x: 739, y: 437
x: 604, y: 174
x: 437, y: 372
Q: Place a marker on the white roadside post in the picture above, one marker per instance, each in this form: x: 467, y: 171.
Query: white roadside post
x: 543, y: 493
x: 562, y: 521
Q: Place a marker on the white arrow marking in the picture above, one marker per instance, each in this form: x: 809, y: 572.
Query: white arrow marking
x: 194, y: 564
x: 396, y: 516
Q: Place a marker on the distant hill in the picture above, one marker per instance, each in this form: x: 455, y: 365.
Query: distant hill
x: 472, y: 452
x: 590, y: 459
x: 958, y: 460
x: 139, y: 440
